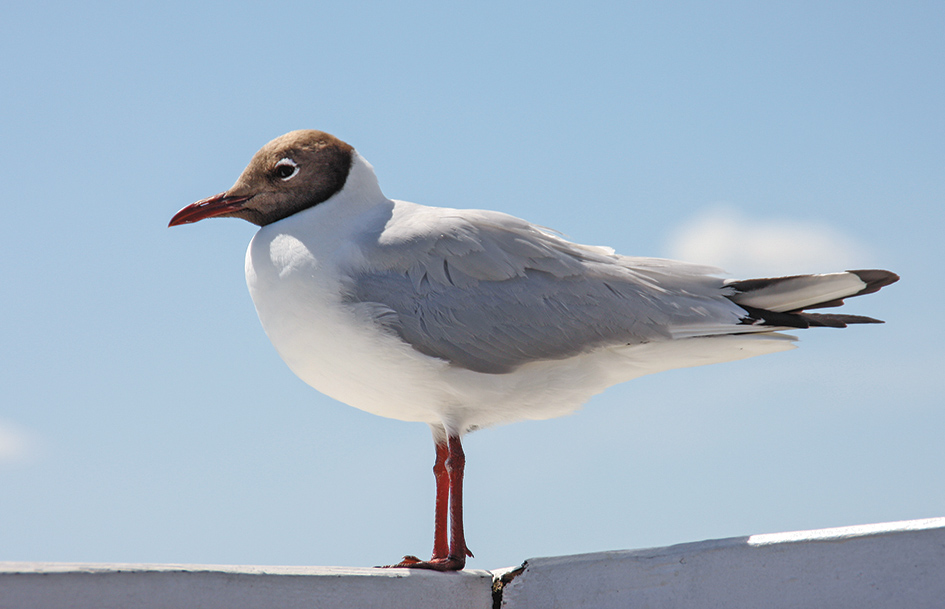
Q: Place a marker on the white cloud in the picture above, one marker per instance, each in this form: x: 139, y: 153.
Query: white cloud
x: 746, y: 247
x: 16, y: 444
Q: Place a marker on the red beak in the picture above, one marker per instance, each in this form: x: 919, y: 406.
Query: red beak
x: 216, y: 205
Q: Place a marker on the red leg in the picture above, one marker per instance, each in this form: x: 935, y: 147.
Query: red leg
x: 440, y: 542
x: 448, y: 469
x: 457, y: 468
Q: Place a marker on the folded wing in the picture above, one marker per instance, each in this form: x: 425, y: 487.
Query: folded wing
x: 489, y: 292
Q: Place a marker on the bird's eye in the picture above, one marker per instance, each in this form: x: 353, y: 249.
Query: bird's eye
x: 285, y: 169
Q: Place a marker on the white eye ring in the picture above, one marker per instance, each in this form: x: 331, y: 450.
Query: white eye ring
x: 282, y: 167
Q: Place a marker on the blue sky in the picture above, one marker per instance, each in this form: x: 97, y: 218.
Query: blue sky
x: 144, y: 417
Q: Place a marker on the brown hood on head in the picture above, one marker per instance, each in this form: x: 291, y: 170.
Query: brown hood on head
x: 289, y: 174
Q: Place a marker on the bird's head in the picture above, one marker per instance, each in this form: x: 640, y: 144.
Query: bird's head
x: 292, y: 172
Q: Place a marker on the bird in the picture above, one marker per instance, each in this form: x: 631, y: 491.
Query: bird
x: 464, y: 319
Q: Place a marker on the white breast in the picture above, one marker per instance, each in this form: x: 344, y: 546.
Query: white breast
x: 293, y: 277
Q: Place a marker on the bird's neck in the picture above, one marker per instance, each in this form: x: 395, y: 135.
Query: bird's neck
x: 361, y: 187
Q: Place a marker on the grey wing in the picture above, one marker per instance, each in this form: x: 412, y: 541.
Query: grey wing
x: 496, y: 293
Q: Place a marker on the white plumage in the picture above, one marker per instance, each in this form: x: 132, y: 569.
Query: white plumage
x: 463, y: 319
x: 302, y: 270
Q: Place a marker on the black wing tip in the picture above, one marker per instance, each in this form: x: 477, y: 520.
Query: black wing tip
x: 832, y: 320
x: 875, y: 279
x: 801, y: 319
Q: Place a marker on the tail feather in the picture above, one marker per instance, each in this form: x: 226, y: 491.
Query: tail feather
x: 783, y: 301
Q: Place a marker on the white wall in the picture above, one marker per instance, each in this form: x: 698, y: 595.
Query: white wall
x: 895, y: 565
x: 85, y: 586
x: 900, y: 564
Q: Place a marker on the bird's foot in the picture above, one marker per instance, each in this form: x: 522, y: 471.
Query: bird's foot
x: 448, y: 563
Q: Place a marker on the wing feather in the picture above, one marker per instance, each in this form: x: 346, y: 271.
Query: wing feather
x: 489, y: 292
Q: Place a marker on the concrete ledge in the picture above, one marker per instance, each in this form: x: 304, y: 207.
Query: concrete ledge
x: 108, y: 586
x: 899, y: 564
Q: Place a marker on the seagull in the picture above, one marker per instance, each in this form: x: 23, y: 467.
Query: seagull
x: 464, y: 319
